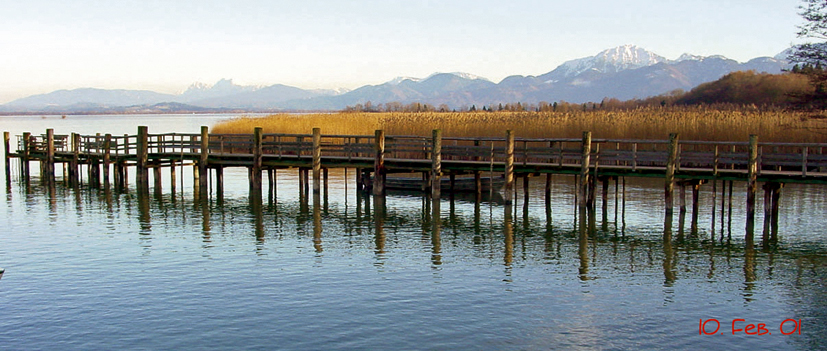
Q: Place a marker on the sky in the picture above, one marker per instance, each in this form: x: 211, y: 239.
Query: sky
x: 166, y: 45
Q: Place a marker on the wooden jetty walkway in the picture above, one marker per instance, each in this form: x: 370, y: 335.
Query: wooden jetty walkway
x: 678, y: 162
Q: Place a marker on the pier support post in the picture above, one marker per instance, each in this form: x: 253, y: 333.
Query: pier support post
x: 508, y: 188
x: 25, y: 158
x: 436, y: 163
x: 255, y: 171
x: 379, y: 164
x: 50, y: 155
x: 157, y: 180
x: 7, y: 156
x: 317, y: 160
x: 752, y: 183
x: 325, y: 177
x: 143, y: 149
x: 526, y: 188
x: 585, y: 159
x: 776, y: 196
x: 669, y: 182
x: 271, y: 181
x: 173, y: 177
x: 767, y: 210
x: 107, y: 145
x: 73, y: 165
x: 202, y: 177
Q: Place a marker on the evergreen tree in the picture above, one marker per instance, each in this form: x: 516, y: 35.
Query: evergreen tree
x: 813, y: 56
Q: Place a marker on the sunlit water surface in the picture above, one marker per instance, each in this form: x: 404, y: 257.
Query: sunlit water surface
x: 92, y: 268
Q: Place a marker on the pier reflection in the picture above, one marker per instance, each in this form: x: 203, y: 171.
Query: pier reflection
x: 468, y: 229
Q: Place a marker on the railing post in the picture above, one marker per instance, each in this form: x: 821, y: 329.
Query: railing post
x: 436, y: 163
x: 379, y: 164
x: 508, y: 188
x: 752, y: 182
x: 317, y: 160
x: 804, y: 161
x: 669, y: 182
x: 586, y: 150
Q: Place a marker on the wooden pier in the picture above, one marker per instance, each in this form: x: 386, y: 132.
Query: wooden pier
x: 589, y: 160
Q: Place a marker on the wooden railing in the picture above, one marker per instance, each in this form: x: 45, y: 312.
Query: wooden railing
x: 802, y: 158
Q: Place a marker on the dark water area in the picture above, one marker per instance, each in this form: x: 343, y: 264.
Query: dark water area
x: 92, y: 268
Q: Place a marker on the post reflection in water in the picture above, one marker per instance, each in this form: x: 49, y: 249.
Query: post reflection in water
x: 583, y: 242
x: 144, y: 219
x: 508, y: 235
x: 630, y: 263
x: 436, y: 228
x: 669, y: 274
x: 257, y: 214
x: 317, y: 222
x: 379, y: 213
x: 206, y: 226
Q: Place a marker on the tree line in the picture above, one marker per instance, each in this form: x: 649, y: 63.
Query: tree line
x: 743, y: 89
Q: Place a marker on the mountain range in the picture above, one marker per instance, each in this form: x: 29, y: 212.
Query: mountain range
x: 624, y: 73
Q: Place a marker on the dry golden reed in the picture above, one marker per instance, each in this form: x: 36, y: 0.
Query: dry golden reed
x: 693, y: 123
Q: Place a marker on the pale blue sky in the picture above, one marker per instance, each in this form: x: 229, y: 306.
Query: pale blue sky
x: 165, y: 46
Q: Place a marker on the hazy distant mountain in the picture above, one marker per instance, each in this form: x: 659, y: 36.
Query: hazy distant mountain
x: 454, y: 89
x: 625, y: 72
x: 89, y: 96
x: 260, y: 99
x: 222, y: 88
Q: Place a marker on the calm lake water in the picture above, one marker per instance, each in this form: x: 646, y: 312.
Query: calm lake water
x: 94, y: 269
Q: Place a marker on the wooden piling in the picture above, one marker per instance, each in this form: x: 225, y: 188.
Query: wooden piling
x: 50, y: 155
x: 477, y: 175
x: 317, y: 160
x: 25, y: 157
x: 585, y: 159
x: 255, y: 170
x: 143, y: 149
x: 201, y: 176
x: 379, y: 163
x: 669, y: 183
x: 157, y: 180
x: 436, y: 163
x: 508, y: 188
x: 173, y: 176
x: 696, y: 190
x: 767, y: 210
x: 752, y: 182
x: 325, y: 177
x: 776, y: 197
x: 7, y: 158
x: 107, y: 157
x: 271, y: 181
x: 604, y: 195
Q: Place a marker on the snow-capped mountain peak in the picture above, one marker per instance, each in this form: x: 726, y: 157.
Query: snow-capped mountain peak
x: 398, y: 80
x: 613, y: 60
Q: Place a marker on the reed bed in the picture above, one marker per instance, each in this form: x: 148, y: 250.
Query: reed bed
x: 693, y: 123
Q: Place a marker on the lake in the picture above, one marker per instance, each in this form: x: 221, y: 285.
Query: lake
x: 91, y: 268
